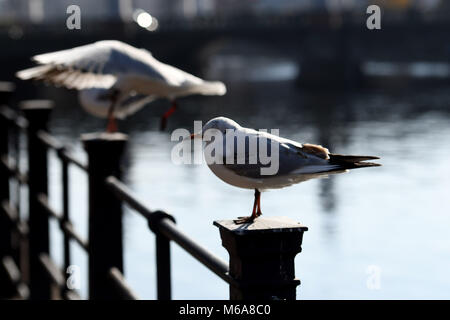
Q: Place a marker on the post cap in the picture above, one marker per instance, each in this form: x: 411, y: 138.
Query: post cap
x: 36, y: 104
x: 6, y: 86
x: 262, y: 225
x: 103, y: 136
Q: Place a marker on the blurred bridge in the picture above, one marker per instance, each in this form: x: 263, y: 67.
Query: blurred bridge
x: 337, y: 43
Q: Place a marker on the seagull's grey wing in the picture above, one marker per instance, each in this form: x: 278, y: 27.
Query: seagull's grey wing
x: 187, y: 83
x: 94, y: 65
x: 291, y: 159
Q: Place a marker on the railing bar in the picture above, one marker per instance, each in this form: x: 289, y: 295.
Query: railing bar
x: 72, y: 295
x: 124, y: 194
x: 13, y: 216
x: 13, y: 117
x: 53, y: 271
x: 10, y: 212
x: 22, y: 228
x: 169, y: 229
x: 120, y: 285
x: 63, y: 153
x: 49, y: 140
x: 21, y: 122
x: 11, y: 269
x: 15, y: 277
x: 208, y: 259
x: 43, y: 201
x: 65, y: 226
x: 70, y: 158
x: 13, y: 170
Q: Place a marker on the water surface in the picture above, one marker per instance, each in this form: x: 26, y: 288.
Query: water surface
x: 393, y: 219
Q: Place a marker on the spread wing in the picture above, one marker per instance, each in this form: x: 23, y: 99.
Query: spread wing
x: 94, y: 65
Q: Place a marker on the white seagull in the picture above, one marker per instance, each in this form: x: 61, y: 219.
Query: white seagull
x: 297, y: 162
x: 116, y: 79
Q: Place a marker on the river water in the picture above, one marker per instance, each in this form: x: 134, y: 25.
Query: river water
x: 375, y: 233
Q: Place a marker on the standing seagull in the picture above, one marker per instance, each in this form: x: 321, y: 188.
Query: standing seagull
x: 296, y: 162
x: 116, y: 71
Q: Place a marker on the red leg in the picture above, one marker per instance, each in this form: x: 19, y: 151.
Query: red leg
x: 258, y: 213
x: 112, y: 124
x: 255, y: 214
x: 167, y: 114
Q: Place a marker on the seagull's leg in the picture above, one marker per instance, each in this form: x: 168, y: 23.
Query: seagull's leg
x: 112, y: 124
x: 258, y: 212
x: 241, y: 220
x: 167, y: 114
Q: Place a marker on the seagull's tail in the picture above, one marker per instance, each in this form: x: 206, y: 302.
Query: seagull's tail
x: 352, y: 162
x: 210, y: 88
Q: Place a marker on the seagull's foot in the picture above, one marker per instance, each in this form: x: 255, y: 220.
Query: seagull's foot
x: 242, y: 220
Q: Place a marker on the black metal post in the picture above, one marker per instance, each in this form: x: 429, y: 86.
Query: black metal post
x: 65, y: 213
x: 163, y: 267
x: 5, y: 225
x: 262, y: 257
x: 37, y: 113
x: 105, y: 151
x: 163, y: 264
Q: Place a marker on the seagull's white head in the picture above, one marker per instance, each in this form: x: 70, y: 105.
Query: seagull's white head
x: 221, y: 124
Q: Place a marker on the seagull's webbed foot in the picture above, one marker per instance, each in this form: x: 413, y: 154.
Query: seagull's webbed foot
x: 242, y: 220
x: 255, y: 213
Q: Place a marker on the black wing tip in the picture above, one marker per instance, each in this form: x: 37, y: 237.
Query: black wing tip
x: 366, y: 164
x: 353, y: 162
x: 352, y: 157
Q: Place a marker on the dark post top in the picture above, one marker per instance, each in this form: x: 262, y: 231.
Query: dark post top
x: 6, y: 90
x: 6, y: 86
x: 36, y: 104
x: 37, y: 112
x: 103, y: 136
x: 262, y: 257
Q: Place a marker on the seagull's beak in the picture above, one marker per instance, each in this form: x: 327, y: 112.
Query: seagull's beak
x: 195, y: 136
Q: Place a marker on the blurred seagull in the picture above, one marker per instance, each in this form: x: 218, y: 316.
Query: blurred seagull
x: 297, y: 162
x: 116, y: 79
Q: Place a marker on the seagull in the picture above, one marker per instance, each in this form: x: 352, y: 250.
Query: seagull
x: 119, y: 75
x: 297, y: 162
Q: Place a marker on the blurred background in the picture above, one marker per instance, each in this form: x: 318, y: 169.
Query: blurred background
x: 308, y: 67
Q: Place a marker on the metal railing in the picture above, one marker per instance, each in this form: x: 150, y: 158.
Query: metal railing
x: 29, y: 271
